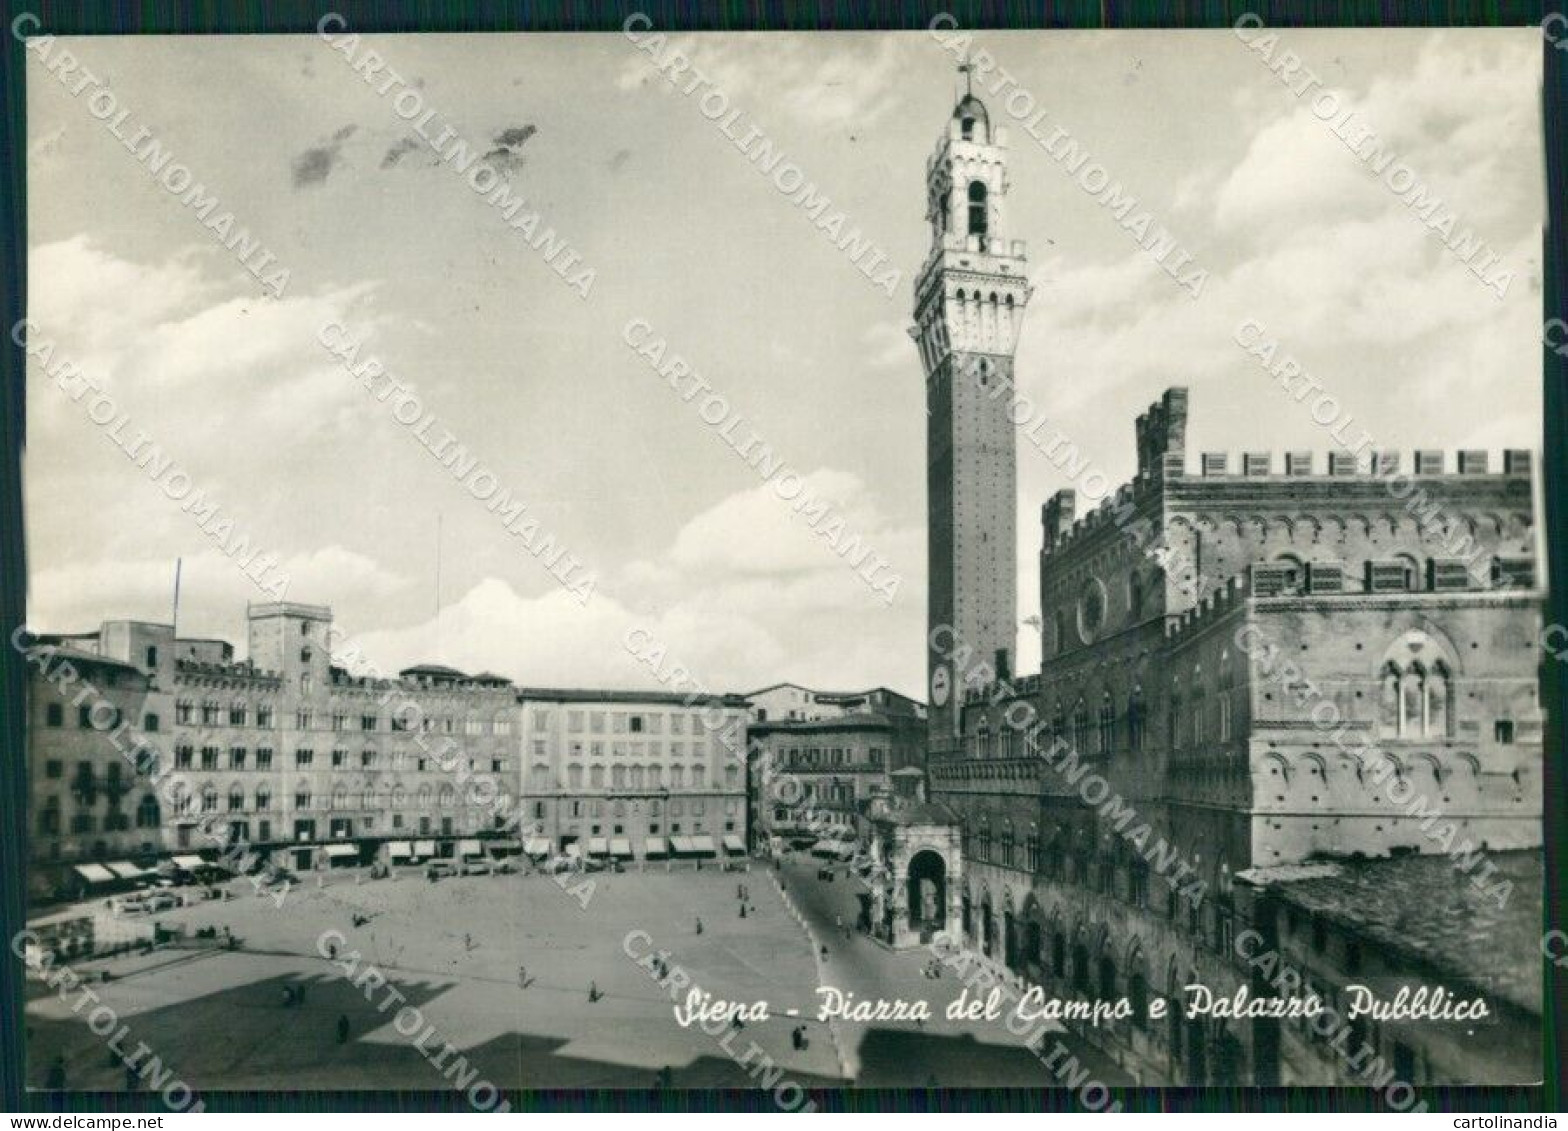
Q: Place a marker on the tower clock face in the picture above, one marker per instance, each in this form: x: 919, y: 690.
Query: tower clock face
x: 941, y: 687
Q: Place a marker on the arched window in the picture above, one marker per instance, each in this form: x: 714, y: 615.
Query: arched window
x: 1412, y: 572
x: 983, y: 734
x: 1388, y: 703
x: 1107, y: 724
x: 147, y: 816
x: 977, y: 209
x: 1437, y: 712
x: 1412, y: 702
x: 1135, y: 595
x: 596, y: 777
x: 1226, y: 695
x: 1295, y: 575
x: 1081, y: 727
x: 574, y: 775
x: 236, y: 799
x: 1200, y: 697
x: 1135, y: 719
x: 263, y: 798
x: 302, y: 797
x: 209, y: 799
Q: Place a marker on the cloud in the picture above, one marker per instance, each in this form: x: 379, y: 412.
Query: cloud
x: 507, y: 156
x: 744, y: 595
x: 1464, y: 108
x: 313, y: 166
x: 403, y: 146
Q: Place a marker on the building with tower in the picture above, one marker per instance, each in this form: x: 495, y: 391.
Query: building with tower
x: 1286, y: 708
x: 285, y: 752
x: 970, y: 297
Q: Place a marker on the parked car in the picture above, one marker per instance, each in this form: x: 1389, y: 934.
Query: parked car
x: 479, y: 866
x: 442, y: 868
x: 160, y: 901
x: 129, y: 904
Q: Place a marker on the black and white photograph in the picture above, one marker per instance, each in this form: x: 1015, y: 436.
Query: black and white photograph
x: 661, y: 561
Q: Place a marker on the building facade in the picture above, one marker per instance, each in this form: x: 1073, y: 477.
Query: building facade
x: 790, y: 702
x: 286, y: 752
x: 89, y: 805
x: 814, y: 778
x: 633, y: 775
x: 1265, y: 688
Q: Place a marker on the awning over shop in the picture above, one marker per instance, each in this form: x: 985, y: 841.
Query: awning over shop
x: 654, y: 846
x: 536, y: 846
x: 680, y: 845
x: 128, y: 871
x: 846, y: 849
x: 337, y: 851
x: 598, y: 846
x: 620, y: 846
x: 424, y: 848
x: 95, y: 873
x: 702, y: 845
x: 399, y: 850
x: 189, y: 863
x: 572, y: 849
x: 734, y: 844
x: 469, y: 848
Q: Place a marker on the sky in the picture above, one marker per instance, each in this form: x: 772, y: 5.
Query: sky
x: 681, y: 537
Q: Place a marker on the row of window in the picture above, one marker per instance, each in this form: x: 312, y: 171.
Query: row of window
x: 106, y: 718
x: 817, y: 756
x: 619, y: 722
x: 305, y: 758
x: 207, y: 800
x: 147, y: 816
x: 632, y: 777
x: 657, y: 807
x: 654, y: 748
x: 238, y: 714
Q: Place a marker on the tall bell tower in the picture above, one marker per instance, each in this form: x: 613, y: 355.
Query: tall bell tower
x: 969, y: 304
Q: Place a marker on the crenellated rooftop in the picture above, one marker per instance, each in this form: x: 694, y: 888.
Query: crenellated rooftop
x: 1161, y: 438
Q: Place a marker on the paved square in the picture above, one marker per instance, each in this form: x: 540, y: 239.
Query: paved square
x: 454, y: 948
